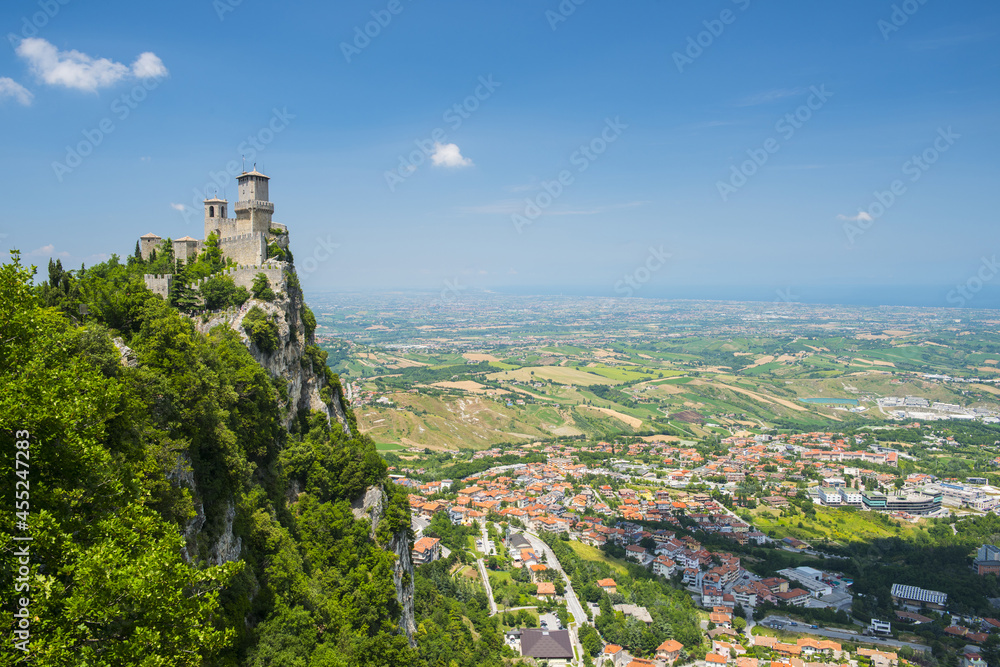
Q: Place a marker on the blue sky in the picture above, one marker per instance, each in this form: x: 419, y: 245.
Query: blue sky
x: 659, y: 203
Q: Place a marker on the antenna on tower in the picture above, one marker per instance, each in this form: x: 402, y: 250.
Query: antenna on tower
x: 244, y: 157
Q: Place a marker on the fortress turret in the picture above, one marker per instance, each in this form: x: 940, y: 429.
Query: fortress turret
x: 253, y: 210
x: 215, y: 214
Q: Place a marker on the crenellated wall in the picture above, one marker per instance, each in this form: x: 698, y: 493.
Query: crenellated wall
x: 244, y: 275
x: 159, y: 284
x: 247, y: 249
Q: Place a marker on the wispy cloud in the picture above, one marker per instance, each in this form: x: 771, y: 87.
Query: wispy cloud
x: 76, y: 70
x: 504, y: 207
x: 769, y: 96
x: 948, y: 41
x: 178, y: 207
x: 12, y: 89
x: 856, y: 218
x: 448, y: 155
x: 47, y: 251
x: 598, y: 209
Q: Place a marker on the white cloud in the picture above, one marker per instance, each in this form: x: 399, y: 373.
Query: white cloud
x: 856, y: 218
x: 448, y: 155
x: 178, y: 207
x: 74, y: 69
x: 47, y: 251
x: 148, y: 65
x: 11, y: 88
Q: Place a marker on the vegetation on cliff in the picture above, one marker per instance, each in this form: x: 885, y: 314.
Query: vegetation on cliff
x: 175, y: 521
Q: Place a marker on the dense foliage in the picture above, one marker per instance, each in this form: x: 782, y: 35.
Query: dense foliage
x: 672, y: 609
x: 145, y: 475
x: 453, y: 623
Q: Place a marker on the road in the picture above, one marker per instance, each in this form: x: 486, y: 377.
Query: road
x: 572, y: 602
x: 486, y: 550
x: 844, y: 635
x: 486, y: 583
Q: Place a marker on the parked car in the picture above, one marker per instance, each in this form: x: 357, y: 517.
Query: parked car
x: 814, y: 627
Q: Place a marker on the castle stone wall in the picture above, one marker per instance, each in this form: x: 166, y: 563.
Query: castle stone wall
x: 247, y: 249
x: 222, y: 226
x: 159, y: 284
x: 243, y: 276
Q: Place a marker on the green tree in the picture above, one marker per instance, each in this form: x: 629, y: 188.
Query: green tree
x: 262, y: 329
x: 261, y: 288
x: 221, y: 292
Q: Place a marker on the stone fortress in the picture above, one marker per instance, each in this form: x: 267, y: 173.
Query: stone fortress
x: 243, y: 239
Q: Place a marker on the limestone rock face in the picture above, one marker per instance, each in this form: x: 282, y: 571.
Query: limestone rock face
x: 128, y: 357
x: 304, y: 383
x: 211, y: 538
x: 371, y: 506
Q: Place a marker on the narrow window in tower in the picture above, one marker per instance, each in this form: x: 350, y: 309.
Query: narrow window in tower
x: 211, y: 211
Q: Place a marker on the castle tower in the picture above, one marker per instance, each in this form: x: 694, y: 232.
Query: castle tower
x: 253, y: 210
x: 147, y: 244
x: 215, y: 213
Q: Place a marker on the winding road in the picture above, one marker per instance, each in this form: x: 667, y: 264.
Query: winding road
x: 572, y: 602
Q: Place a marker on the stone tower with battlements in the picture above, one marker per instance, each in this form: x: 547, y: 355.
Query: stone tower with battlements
x: 243, y: 239
x: 253, y: 210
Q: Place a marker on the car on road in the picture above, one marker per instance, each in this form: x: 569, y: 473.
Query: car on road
x: 814, y: 627
x: 793, y: 623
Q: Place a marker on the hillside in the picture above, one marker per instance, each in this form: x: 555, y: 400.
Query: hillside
x: 196, y: 490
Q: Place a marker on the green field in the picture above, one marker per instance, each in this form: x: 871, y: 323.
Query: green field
x: 836, y: 525
x: 587, y: 552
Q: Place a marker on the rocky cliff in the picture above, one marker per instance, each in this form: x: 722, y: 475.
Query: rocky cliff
x: 289, y: 361
x: 372, y: 505
x: 309, y: 387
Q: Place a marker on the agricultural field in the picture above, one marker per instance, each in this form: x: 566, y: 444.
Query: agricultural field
x: 495, y: 369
